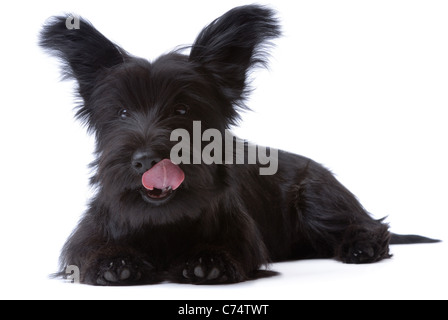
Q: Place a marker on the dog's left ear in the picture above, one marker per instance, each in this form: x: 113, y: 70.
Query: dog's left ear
x: 86, y: 53
x: 233, y: 44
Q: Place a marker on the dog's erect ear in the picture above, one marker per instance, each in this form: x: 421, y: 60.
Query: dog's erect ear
x: 234, y: 43
x: 84, y: 51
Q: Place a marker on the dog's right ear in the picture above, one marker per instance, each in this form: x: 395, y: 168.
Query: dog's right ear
x: 84, y: 51
x: 232, y: 45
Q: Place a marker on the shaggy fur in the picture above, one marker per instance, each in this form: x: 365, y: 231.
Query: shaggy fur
x: 225, y: 222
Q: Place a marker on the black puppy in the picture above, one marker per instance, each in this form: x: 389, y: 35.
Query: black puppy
x: 203, y: 223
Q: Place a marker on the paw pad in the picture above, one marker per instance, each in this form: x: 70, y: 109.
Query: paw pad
x: 210, y: 270
x: 118, y: 272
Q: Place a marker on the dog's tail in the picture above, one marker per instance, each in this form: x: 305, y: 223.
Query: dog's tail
x: 410, y: 239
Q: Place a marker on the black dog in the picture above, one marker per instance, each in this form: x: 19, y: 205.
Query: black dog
x: 152, y: 220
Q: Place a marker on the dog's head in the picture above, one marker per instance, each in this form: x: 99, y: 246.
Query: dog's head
x: 133, y: 105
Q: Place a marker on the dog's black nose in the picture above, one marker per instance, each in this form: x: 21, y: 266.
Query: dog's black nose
x: 142, y: 161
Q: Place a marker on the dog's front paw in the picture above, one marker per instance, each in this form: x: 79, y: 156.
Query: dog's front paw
x: 121, y: 271
x: 211, y: 268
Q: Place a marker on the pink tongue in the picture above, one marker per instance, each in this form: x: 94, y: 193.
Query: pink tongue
x: 163, y: 175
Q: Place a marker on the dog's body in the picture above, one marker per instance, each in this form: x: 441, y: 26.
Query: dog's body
x: 208, y: 223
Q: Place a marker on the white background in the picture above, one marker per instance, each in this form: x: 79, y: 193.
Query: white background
x: 360, y: 86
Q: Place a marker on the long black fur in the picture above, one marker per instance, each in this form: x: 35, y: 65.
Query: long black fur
x: 226, y: 221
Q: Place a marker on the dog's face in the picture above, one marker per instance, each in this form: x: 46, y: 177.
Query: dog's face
x: 135, y: 108
x: 133, y: 105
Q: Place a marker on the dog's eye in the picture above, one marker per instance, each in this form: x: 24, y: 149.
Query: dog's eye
x: 124, y: 114
x: 181, y: 110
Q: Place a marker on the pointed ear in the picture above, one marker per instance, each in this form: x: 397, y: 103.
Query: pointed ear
x: 84, y: 51
x: 233, y: 44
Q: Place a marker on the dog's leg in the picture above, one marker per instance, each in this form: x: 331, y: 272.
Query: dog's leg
x: 210, y: 265
x: 108, y: 265
x: 118, y: 266
x: 334, y: 223
x: 231, y: 250
x: 364, y: 243
x: 103, y: 261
